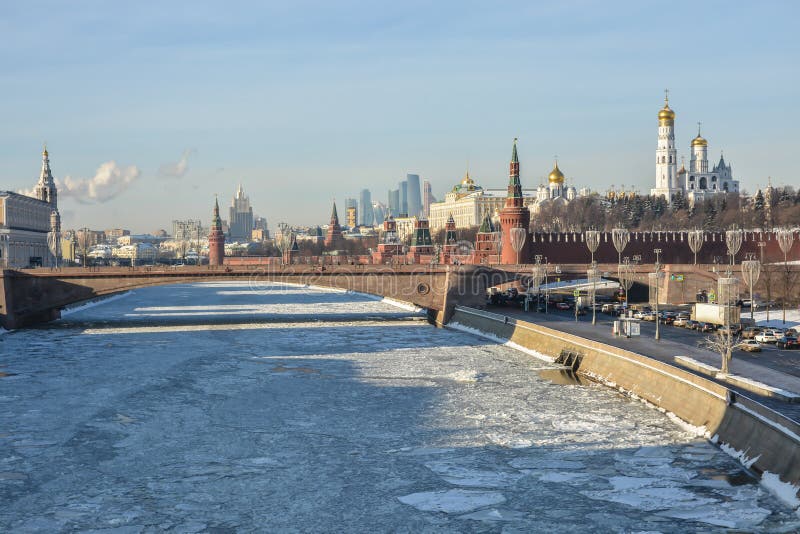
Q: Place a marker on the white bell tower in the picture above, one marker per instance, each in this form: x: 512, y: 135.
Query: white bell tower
x: 666, y: 154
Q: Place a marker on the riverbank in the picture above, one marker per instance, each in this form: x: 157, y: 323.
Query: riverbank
x: 763, y: 440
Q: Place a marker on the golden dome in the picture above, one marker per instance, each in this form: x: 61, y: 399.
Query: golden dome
x: 556, y: 176
x: 699, y: 141
x: 467, y: 181
x: 666, y: 114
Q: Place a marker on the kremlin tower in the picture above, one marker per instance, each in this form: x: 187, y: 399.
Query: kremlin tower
x: 514, y: 215
x: 333, y: 239
x: 216, y: 239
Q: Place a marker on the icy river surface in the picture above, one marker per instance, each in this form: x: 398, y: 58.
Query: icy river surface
x: 227, y: 408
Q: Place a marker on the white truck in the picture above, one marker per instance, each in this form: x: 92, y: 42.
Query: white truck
x: 715, y: 314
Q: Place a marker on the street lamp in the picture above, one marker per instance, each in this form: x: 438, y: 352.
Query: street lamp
x: 620, y: 237
x: 785, y: 241
x: 625, y: 274
x: 695, y: 238
x: 751, y: 269
x: 655, y: 280
x: 592, y: 238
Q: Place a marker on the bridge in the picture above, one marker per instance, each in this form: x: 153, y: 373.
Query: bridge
x: 28, y: 297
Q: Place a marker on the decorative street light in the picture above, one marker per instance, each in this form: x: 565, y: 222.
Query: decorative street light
x: 733, y: 240
x: 626, y: 273
x: 621, y: 237
x: 592, y: 238
x: 751, y: 271
x: 695, y: 238
x: 655, y: 281
x: 518, y: 236
x: 537, y: 275
x: 785, y: 241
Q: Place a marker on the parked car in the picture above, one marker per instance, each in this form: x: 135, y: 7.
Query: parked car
x: 691, y: 325
x: 751, y: 331
x: 787, y: 343
x: 649, y: 316
x: 563, y: 306
x: 767, y: 336
x: 680, y: 321
x: 668, y: 317
x: 707, y: 327
x: 749, y: 345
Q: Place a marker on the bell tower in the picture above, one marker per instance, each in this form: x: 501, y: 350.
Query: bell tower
x: 666, y: 153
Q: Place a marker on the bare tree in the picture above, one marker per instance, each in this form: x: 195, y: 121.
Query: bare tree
x: 722, y: 342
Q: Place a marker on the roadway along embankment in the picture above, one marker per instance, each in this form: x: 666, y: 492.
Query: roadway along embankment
x: 762, y: 439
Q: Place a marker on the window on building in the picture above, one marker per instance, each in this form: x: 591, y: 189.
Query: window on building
x: 703, y: 183
x: 691, y: 178
x: 713, y: 178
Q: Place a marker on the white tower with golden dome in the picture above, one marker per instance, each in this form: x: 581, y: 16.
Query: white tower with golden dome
x: 556, y: 182
x: 699, y: 161
x: 666, y: 153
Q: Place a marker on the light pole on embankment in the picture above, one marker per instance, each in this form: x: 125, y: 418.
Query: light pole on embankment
x: 592, y: 238
x: 654, y: 281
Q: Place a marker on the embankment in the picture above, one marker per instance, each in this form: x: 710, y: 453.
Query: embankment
x: 762, y: 439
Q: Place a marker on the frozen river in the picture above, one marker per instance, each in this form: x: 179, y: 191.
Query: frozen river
x: 221, y: 407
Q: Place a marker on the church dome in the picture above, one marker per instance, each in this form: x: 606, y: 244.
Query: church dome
x: 666, y: 114
x: 699, y: 141
x: 468, y: 182
x: 556, y: 176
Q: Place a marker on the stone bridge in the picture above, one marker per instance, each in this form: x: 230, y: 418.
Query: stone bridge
x: 28, y: 297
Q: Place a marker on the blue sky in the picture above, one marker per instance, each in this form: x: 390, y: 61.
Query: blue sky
x: 302, y: 102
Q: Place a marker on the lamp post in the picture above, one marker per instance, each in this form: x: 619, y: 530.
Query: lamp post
x: 733, y: 240
x: 620, y: 237
x: 656, y: 280
x: 625, y: 274
x: 695, y: 238
x: 751, y: 269
x: 537, y: 276
x: 592, y: 238
x: 518, y: 236
x: 785, y: 241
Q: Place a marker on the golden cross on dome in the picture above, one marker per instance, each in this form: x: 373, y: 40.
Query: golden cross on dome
x: 698, y: 128
x: 666, y: 96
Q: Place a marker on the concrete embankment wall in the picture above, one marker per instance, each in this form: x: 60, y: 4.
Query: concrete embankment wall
x: 767, y: 439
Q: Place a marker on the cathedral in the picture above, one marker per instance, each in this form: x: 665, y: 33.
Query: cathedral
x: 700, y: 181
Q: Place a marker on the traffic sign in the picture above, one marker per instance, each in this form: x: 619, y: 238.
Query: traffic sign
x: 576, y: 293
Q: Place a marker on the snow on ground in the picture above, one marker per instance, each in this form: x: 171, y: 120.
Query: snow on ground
x: 775, y: 317
x: 296, y: 409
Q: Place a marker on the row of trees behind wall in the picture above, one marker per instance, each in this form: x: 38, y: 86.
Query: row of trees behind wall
x: 643, y: 213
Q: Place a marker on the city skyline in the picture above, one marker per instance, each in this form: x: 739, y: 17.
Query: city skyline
x: 135, y: 119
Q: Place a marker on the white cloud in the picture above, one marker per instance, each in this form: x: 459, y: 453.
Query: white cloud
x: 176, y: 169
x: 109, y: 181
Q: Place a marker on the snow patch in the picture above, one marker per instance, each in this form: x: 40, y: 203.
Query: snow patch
x: 739, y: 455
x: 93, y: 303
x: 784, y: 491
x: 454, y: 501
x: 516, y: 346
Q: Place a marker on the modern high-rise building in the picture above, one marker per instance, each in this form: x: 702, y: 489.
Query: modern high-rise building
x: 365, y: 216
x: 240, y: 224
x: 379, y: 209
x: 351, y: 212
x: 403, y: 199
x: 427, y: 198
x: 394, y: 202
x: 414, y: 196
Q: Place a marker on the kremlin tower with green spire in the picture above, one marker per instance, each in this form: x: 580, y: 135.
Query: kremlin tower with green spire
x: 515, y: 245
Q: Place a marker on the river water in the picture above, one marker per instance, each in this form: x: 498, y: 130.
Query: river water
x: 225, y: 407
